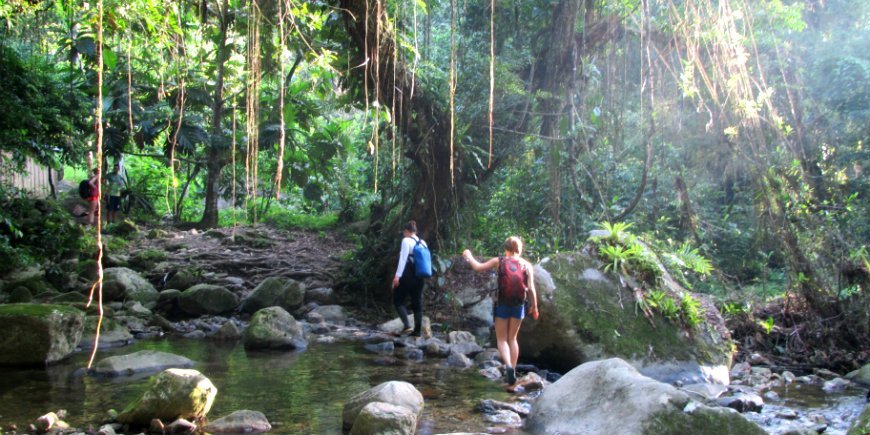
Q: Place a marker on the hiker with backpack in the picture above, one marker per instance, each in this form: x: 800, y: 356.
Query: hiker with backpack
x: 516, y: 287
x: 90, y: 192
x: 114, y: 182
x: 415, y: 264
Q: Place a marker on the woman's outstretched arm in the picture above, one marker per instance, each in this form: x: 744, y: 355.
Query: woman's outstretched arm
x: 492, y: 263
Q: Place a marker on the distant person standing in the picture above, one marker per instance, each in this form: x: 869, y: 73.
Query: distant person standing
x: 516, y: 286
x: 406, y: 282
x: 114, y: 182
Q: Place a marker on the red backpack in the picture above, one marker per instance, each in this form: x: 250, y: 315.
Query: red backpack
x: 511, y: 282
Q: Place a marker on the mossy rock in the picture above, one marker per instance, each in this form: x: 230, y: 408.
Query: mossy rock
x: 69, y: 297
x: 587, y: 314
x: 172, y: 394
x: 274, y: 328
x: 275, y: 291
x: 183, y: 279
x: 87, y: 269
x: 207, y: 299
x: 38, y: 334
x: 125, y: 228
x: 147, y: 259
x: 861, y: 425
x: 156, y: 233
x: 20, y: 294
x: 217, y: 234
x: 112, y: 333
x: 37, y: 284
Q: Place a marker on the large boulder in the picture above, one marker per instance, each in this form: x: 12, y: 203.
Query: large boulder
x: 396, y: 393
x: 587, y: 315
x: 610, y: 396
x: 239, y: 422
x: 34, y: 334
x: 207, y: 299
x: 143, y: 361
x: 172, y: 394
x: 274, y: 328
x: 275, y: 292
x: 860, y: 376
x: 121, y: 283
x: 183, y: 279
x: 384, y: 418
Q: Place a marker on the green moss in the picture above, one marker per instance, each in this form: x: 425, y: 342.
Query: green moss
x: 612, y: 323
x: 702, y: 421
x: 35, y: 309
x: 861, y: 425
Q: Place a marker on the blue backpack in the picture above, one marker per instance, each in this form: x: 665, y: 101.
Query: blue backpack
x: 422, y: 260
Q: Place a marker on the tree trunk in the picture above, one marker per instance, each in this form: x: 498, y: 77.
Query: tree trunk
x: 216, y: 151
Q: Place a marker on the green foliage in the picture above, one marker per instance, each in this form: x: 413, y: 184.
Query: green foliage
x: 766, y: 324
x: 624, y: 253
x: 691, y: 311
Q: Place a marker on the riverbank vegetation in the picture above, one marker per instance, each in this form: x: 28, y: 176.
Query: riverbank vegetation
x: 731, y: 135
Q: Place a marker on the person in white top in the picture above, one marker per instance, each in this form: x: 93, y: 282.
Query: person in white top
x: 406, y: 282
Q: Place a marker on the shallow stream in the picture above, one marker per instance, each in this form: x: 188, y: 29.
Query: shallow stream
x: 304, y: 392
x: 299, y: 392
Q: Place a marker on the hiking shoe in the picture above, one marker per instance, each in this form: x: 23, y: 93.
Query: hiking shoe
x: 510, y: 375
x: 407, y: 330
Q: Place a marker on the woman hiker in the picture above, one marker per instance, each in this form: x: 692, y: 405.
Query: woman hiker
x: 407, y: 283
x: 516, y: 285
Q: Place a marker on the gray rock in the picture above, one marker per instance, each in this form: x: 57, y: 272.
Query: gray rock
x: 860, y: 376
x: 384, y: 418
x: 503, y: 417
x: 459, y: 360
x: 172, y: 394
x: 395, y: 326
x: 207, y: 299
x: 468, y: 349
x: 144, y: 361
x: 491, y: 373
x: 243, y: 421
x: 436, y: 348
x: 34, y: 334
x: 331, y: 313
x: 20, y: 295
x: 275, y: 291
x: 413, y: 354
x: 835, y: 385
x: 183, y: 279
x: 482, y: 312
x: 321, y: 295
x: 456, y: 337
x: 397, y: 393
x: 610, y: 396
x: 274, y: 328
x: 121, y: 283
x: 227, y: 332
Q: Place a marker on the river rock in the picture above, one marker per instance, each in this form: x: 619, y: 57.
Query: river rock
x: 121, y: 283
x: 183, y: 279
x: 112, y: 333
x: 459, y: 360
x: 172, y: 394
x: 384, y: 418
x: 143, y: 361
x: 861, y: 425
x: 395, y: 326
x: 396, y: 393
x: 243, y: 421
x: 20, y: 295
x: 742, y: 402
x: 835, y: 385
x: 227, y: 332
x: 331, y: 313
x: 589, y: 315
x: 34, y: 334
x: 456, y: 337
x: 31, y: 280
x: 274, y: 328
x: 705, y: 392
x: 275, y: 291
x: 611, y: 396
x: 860, y: 376
x: 207, y: 299
x: 321, y: 295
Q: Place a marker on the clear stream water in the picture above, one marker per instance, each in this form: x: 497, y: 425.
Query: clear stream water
x: 304, y: 392
x: 299, y: 392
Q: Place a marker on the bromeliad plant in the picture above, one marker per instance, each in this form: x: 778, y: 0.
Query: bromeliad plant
x: 624, y: 253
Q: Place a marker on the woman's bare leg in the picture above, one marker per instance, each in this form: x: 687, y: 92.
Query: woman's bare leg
x: 501, y: 340
x: 513, y: 330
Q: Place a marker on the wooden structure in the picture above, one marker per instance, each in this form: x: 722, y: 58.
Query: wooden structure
x: 32, y: 178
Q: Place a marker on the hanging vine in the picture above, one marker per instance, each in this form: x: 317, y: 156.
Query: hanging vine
x: 252, y: 108
x: 282, y: 134
x: 452, y: 85
x: 98, y: 124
